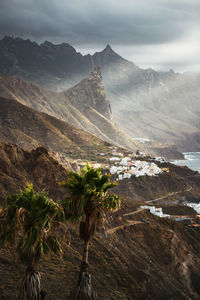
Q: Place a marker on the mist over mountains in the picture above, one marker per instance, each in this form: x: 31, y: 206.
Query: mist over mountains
x: 145, y: 103
x: 84, y: 106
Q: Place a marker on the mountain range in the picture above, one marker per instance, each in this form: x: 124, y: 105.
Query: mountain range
x: 84, y: 106
x: 163, y: 106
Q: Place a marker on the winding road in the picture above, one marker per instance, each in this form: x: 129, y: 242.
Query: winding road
x: 157, y: 199
x: 133, y: 222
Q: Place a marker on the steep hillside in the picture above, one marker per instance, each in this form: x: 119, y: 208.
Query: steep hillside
x: 140, y: 261
x: 147, y: 188
x: 46, y: 101
x: 19, y: 167
x: 84, y: 106
x: 28, y: 128
x: 145, y: 103
x: 152, y: 261
x: 162, y: 106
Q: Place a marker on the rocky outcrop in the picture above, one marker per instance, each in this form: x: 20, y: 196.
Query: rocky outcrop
x: 90, y: 92
x: 19, y: 167
x: 170, y: 152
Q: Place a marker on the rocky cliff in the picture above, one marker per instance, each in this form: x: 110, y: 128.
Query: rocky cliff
x: 90, y: 93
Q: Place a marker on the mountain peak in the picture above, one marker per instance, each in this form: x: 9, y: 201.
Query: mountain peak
x: 105, y: 56
x: 46, y: 44
x: 12, y: 39
x: 90, y: 93
x: 96, y: 73
x: 108, y: 49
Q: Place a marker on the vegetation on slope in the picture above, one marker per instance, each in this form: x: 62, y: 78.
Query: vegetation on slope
x: 28, y: 223
x: 154, y: 260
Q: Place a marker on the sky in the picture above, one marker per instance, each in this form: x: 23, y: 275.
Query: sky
x: 158, y: 34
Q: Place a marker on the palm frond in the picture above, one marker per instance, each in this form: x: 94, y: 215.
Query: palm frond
x: 88, y: 195
x: 29, y: 218
x: 54, y: 245
x: 111, y: 202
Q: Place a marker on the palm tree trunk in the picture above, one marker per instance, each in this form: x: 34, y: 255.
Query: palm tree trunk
x: 30, y: 286
x: 84, y: 290
x: 84, y: 262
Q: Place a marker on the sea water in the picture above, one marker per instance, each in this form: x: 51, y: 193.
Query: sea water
x: 195, y: 206
x: 191, y: 160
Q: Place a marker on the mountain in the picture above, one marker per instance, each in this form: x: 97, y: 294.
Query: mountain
x: 163, y: 106
x: 84, y: 106
x: 90, y: 93
x: 42, y: 63
x: 29, y: 129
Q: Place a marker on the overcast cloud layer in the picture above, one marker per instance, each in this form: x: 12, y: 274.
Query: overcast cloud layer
x: 161, y: 34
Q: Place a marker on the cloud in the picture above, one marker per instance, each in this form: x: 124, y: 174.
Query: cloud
x: 90, y: 24
x: 181, y: 55
x: 96, y: 22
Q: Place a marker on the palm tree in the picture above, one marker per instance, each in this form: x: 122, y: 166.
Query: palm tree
x: 29, y: 221
x: 88, y: 200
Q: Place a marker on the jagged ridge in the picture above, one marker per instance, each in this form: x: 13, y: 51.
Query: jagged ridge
x: 162, y: 106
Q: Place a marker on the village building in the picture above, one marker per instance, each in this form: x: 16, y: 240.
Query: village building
x: 125, y: 167
x: 157, y: 211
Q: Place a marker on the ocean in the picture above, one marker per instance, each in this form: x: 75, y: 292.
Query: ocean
x: 195, y: 206
x: 191, y: 160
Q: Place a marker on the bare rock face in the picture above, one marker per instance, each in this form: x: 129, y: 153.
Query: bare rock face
x: 90, y: 92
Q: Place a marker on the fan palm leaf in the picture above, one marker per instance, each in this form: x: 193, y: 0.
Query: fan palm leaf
x: 29, y: 220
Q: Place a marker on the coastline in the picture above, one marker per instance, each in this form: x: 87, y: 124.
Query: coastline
x: 191, y: 160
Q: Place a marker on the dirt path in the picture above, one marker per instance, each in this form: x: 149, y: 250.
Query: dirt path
x: 133, y: 212
x: 169, y: 195
x: 157, y: 199
x: 130, y: 222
